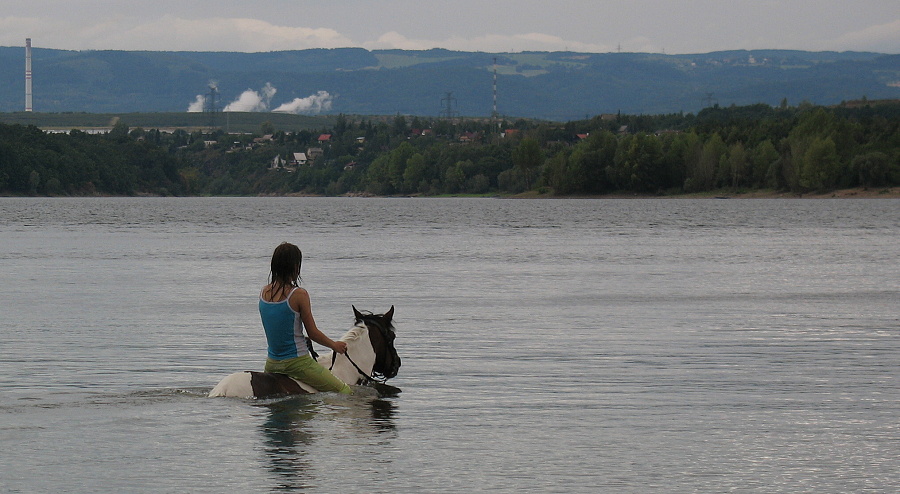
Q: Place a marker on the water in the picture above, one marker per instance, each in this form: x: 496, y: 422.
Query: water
x: 548, y: 345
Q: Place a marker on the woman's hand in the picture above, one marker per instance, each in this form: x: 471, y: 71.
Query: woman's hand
x: 339, y: 347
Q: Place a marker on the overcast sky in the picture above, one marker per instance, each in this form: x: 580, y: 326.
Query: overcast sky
x: 660, y: 26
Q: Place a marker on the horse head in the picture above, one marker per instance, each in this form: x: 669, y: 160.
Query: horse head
x: 381, y: 336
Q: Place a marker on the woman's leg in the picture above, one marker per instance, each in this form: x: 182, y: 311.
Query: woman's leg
x: 309, y: 371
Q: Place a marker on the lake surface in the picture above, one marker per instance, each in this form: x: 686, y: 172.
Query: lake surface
x: 548, y: 345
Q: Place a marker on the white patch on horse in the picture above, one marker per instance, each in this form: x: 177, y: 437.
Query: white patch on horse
x: 359, y: 349
x: 236, y: 385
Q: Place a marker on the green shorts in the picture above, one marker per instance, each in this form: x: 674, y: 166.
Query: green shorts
x: 307, y: 370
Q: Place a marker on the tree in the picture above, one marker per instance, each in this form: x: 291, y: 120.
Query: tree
x: 400, y: 126
x: 556, y: 174
x: 737, y: 164
x: 397, y: 161
x: 820, y: 168
x: 637, y: 163
x: 873, y: 169
x: 528, y: 157
x: 762, y: 158
x: 454, y: 178
x: 119, y: 132
x: 414, y: 174
x: 703, y: 176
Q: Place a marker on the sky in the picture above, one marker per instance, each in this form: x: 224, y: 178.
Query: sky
x: 600, y: 26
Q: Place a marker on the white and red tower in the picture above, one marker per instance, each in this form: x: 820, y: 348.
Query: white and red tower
x: 28, y: 103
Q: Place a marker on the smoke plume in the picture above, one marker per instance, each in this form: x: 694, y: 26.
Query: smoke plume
x: 314, y: 103
x: 253, y: 101
x: 260, y: 101
x: 197, y: 105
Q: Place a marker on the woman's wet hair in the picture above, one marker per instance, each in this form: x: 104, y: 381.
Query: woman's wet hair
x: 285, y: 273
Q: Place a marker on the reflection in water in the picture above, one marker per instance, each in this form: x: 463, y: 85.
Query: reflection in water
x: 287, y: 436
x: 383, y: 415
x: 291, y: 428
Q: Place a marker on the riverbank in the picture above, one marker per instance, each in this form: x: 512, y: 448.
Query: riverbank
x: 853, y: 193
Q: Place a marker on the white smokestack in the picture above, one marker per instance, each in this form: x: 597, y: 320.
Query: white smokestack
x: 28, y: 105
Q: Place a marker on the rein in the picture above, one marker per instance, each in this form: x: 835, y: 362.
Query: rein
x: 363, y: 374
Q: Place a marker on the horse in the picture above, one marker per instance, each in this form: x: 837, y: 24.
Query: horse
x: 370, y: 358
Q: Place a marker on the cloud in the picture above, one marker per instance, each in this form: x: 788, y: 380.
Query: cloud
x: 239, y: 34
x: 175, y: 33
x: 253, y: 101
x: 487, y: 43
x: 880, y: 38
x: 168, y: 33
x: 577, y: 25
x: 314, y: 103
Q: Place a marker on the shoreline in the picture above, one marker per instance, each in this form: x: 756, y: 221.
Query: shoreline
x: 852, y: 193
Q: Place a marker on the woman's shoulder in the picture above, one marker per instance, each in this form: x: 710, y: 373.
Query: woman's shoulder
x: 270, y: 293
x: 299, y: 292
x: 299, y: 299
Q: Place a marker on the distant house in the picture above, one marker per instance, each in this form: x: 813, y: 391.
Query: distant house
x: 468, y: 137
x: 209, y: 143
x: 277, y: 163
x: 323, y: 138
x: 420, y: 133
x: 509, y: 133
x: 351, y: 165
x: 263, y: 139
x: 312, y: 154
x: 582, y: 137
x: 299, y: 159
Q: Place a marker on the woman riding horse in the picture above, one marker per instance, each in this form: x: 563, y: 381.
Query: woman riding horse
x: 285, y: 311
x: 374, y: 360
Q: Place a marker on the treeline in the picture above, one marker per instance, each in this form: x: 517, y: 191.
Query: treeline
x: 117, y: 163
x: 797, y: 149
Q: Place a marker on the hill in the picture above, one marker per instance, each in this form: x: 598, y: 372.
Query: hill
x: 554, y: 86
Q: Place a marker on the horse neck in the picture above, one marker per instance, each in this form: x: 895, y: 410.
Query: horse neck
x: 360, y: 350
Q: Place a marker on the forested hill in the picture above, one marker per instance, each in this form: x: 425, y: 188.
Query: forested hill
x: 558, y: 86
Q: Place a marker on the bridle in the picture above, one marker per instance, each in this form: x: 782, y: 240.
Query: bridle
x: 388, y: 338
x: 367, y: 377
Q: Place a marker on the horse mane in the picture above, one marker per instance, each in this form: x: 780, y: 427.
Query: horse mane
x: 366, y: 315
x: 355, y: 333
x: 357, y: 330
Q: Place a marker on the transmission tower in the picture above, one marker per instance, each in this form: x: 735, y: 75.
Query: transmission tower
x: 448, y: 103
x: 709, y: 100
x: 211, y: 104
x: 494, y: 114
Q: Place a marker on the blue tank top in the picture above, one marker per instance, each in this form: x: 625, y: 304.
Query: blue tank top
x: 284, y: 329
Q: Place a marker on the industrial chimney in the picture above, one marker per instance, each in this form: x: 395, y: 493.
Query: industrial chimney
x: 28, y: 105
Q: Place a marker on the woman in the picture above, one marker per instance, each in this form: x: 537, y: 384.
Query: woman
x: 285, y: 311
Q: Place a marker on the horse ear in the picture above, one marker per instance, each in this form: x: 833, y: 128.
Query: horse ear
x: 356, y: 313
x: 389, y: 314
